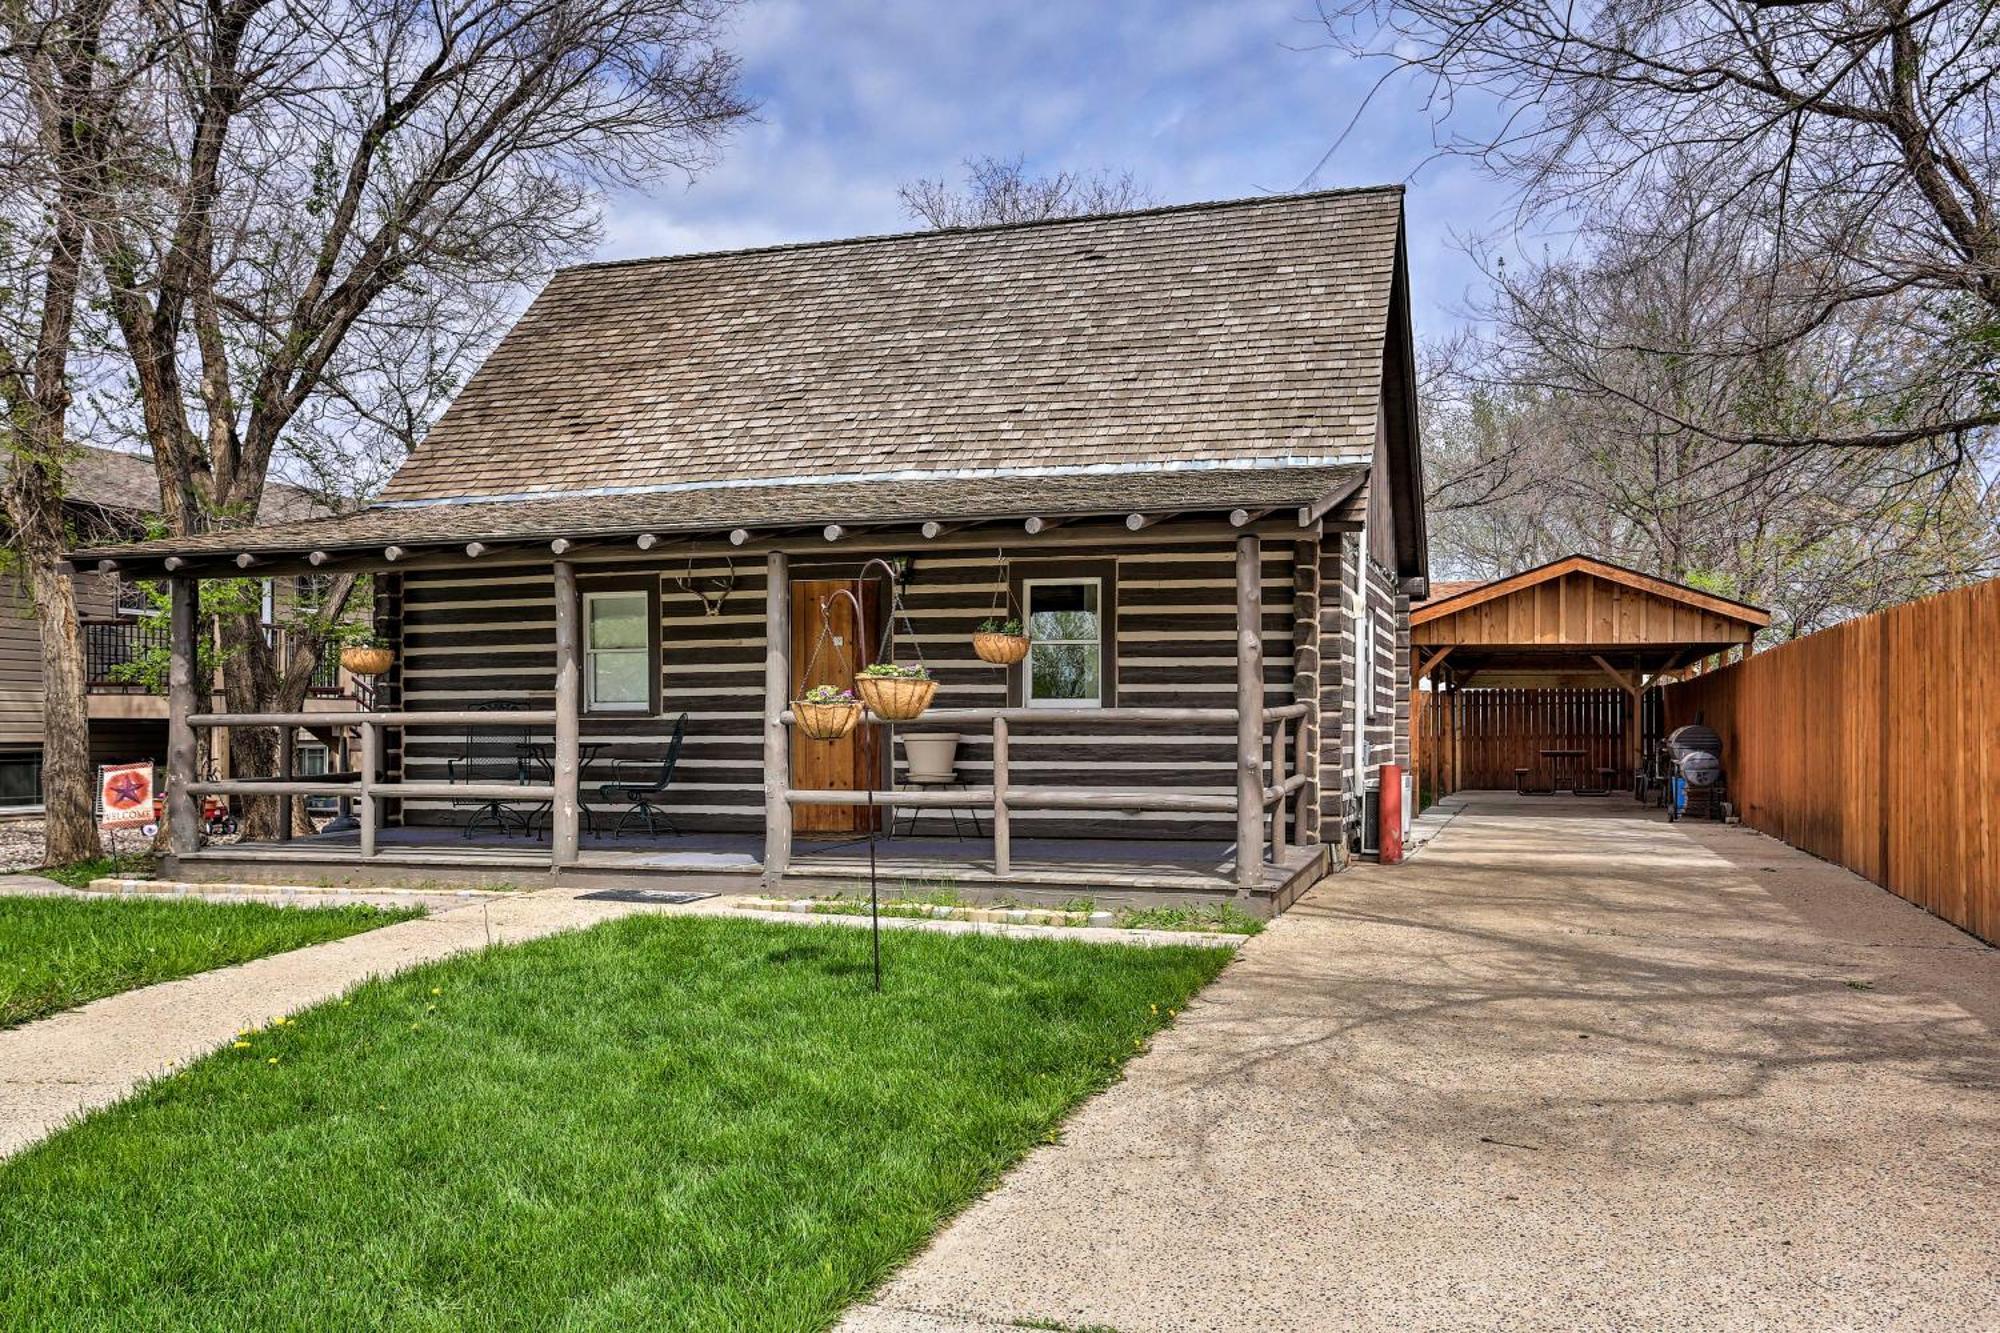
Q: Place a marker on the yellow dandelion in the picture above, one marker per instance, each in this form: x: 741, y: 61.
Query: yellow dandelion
x: 437, y: 990
x: 273, y: 1060
x: 242, y: 1045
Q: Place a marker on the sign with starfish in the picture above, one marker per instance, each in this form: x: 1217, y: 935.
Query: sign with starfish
x: 125, y: 796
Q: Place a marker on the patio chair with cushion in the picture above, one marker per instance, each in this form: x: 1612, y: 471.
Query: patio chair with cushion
x: 645, y: 798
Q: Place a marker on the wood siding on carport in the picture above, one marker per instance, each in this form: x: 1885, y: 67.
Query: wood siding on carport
x: 482, y: 633
x: 1578, y: 608
x: 1476, y: 739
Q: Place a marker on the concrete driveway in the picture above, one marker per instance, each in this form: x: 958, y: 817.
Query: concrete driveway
x: 1570, y: 1068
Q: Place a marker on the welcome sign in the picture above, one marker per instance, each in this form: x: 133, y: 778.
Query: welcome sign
x: 125, y: 796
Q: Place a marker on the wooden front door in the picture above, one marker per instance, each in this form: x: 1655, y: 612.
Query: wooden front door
x: 851, y: 763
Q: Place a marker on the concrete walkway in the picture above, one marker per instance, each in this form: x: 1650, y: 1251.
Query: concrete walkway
x: 61, y: 1067
x: 1571, y: 1068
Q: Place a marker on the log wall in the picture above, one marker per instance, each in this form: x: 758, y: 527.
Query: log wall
x: 1875, y: 744
x: 488, y: 633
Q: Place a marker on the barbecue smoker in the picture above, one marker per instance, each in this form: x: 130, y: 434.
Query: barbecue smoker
x: 1692, y: 756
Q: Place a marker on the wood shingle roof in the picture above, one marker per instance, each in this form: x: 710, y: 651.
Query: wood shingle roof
x: 1246, y: 332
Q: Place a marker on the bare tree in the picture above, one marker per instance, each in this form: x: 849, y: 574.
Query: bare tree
x: 339, y: 190
x: 1851, y: 146
x: 1000, y: 190
x: 58, y: 72
x: 1540, y: 442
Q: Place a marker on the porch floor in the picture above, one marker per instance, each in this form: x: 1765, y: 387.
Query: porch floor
x: 727, y: 862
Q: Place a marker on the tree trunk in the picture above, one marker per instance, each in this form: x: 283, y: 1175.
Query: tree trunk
x: 68, y: 791
x: 249, y: 682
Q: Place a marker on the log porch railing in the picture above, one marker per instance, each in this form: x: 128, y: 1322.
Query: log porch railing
x: 364, y: 785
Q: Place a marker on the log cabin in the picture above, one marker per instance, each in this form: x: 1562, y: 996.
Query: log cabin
x: 1178, y: 444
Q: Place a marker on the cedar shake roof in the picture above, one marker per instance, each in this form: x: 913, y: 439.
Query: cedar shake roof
x: 1250, y: 331
x: 859, y: 503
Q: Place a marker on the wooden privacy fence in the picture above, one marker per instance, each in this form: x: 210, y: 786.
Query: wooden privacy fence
x: 1470, y: 739
x: 1875, y: 744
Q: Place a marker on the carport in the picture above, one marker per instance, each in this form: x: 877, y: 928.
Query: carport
x: 1544, y: 680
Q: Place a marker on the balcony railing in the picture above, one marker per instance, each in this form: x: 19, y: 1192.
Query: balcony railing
x: 111, y: 647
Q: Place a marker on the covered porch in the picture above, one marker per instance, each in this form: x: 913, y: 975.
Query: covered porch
x: 1046, y: 830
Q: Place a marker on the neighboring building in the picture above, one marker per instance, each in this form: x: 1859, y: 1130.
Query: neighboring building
x: 109, y: 495
x: 1141, y: 430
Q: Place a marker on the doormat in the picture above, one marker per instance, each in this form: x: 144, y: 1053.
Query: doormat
x: 658, y: 896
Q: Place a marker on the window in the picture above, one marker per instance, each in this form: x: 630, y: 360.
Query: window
x: 617, y: 651
x: 1065, y: 667
x: 133, y: 599
x: 311, y: 761
x: 20, y: 779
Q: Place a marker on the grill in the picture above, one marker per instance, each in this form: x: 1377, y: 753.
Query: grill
x: 1694, y: 768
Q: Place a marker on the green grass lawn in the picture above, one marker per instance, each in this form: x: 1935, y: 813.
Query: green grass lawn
x: 660, y: 1123
x: 57, y: 953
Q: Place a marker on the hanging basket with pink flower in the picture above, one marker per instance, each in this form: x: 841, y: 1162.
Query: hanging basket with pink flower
x: 827, y: 712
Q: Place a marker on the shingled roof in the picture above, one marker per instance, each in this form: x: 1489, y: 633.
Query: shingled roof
x: 1243, y: 332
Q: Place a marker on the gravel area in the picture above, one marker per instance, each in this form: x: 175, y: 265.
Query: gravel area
x: 20, y: 843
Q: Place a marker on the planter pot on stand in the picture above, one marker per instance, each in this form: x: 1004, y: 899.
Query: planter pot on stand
x: 932, y: 756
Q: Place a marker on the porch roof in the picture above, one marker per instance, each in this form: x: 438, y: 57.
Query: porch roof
x: 1078, y: 492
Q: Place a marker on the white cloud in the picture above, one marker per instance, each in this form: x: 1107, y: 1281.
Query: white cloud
x: 1199, y: 100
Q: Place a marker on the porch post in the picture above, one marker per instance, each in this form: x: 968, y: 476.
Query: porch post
x: 1003, y: 819
x: 1249, y: 712
x: 371, y: 773
x: 1278, y: 781
x: 777, y: 697
x: 563, y: 841
x: 183, y: 814
x: 1306, y: 685
x: 286, y: 760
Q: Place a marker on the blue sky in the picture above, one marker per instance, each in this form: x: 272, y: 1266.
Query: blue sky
x: 1203, y: 99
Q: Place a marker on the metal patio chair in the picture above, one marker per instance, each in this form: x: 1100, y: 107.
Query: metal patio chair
x: 477, y: 766
x: 644, y: 799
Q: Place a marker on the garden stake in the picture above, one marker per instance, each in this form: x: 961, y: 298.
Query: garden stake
x: 874, y: 902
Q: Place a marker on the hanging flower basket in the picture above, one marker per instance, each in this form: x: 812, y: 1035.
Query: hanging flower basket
x: 827, y: 714
x: 896, y: 693
x: 1001, y: 642
x: 362, y: 660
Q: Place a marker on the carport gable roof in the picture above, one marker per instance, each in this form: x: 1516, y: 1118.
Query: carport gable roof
x: 1577, y: 609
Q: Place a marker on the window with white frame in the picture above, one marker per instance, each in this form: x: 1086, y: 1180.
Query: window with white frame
x: 617, y: 652
x: 1065, y: 667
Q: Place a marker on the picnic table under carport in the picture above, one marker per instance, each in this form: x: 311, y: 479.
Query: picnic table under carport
x: 1546, y: 675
